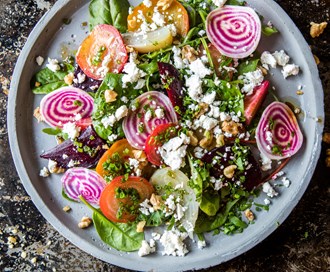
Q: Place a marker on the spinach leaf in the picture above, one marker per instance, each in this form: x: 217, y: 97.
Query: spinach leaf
x: 52, y: 131
x: 210, y: 203
x: 48, y: 81
x: 206, y: 223
x: 111, y: 12
x: 247, y: 66
x: 120, y: 236
x: 196, y: 181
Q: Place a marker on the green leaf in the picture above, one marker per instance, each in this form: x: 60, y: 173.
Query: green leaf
x: 65, y: 196
x: 120, y: 236
x: 110, y: 12
x: 235, y: 3
x: 247, y: 66
x: 207, y: 223
x: 52, y: 131
x: 196, y: 179
x: 268, y: 31
x: 210, y: 203
x: 49, y: 80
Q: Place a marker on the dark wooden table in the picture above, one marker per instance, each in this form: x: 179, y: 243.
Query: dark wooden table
x: 301, y: 243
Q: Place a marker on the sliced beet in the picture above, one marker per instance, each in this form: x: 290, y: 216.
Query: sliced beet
x: 253, y: 176
x: 171, y: 78
x: 83, y: 152
x: 253, y: 102
x: 88, y: 84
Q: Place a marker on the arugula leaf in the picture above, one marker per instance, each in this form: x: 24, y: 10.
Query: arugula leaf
x: 111, y: 12
x: 49, y: 80
x: 120, y: 236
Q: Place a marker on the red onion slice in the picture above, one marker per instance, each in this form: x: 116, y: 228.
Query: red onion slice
x: 65, y: 105
x: 278, y: 134
x: 82, y: 181
x: 137, y: 126
x: 234, y: 30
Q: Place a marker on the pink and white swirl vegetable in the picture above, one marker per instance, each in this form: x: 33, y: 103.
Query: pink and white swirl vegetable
x: 65, y: 105
x: 278, y: 134
x: 153, y: 109
x: 234, y: 30
x: 82, y: 181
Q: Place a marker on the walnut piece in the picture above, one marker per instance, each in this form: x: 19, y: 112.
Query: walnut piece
x: 110, y: 96
x: 164, y: 4
x: 140, y: 226
x: 220, y: 140
x: 193, y: 138
x: 229, y: 171
x: 68, y: 79
x: 66, y: 208
x: 85, y: 222
x: 249, y: 215
x: 37, y: 114
x: 207, y: 140
x: 203, y: 107
x: 231, y: 127
x: 156, y: 201
x: 189, y: 53
x: 317, y: 29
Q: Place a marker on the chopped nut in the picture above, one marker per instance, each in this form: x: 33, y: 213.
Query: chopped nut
x: 110, y: 96
x: 231, y: 127
x: 140, y: 155
x: 203, y: 107
x: 206, y: 141
x: 326, y: 137
x: 129, y: 49
x: 263, y: 70
x: 68, y: 79
x: 66, y: 208
x: 132, y: 22
x: 317, y: 29
x: 317, y: 60
x: 85, y: 222
x: 164, y: 4
x: 189, y: 53
x: 37, y: 84
x: 156, y: 201
x: 193, y: 138
x: 220, y: 140
x: 140, y: 226
x: 249, y: 215
x: 299, y: 92
x: 297, y: 110
x: 229, y: 171
x: 37, y: 114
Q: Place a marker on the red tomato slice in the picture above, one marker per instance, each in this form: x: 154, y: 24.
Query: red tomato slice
x: 157, y: 139
x: 253, y: 102
x: 101, y: 52
x: 124, y: 209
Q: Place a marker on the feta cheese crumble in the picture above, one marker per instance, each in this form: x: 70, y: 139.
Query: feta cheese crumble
x: 269, y: 190
x: 71, y: 129
x: 173, y: 243
x: 53, y: 65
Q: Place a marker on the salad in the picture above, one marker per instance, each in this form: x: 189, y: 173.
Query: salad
x: 165, y: 117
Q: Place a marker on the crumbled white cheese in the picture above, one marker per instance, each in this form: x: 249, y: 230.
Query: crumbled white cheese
x: 71, y: 129
x: 147, y: 3
x: 269, y: 190
x: 194, y: 85
x: 52, y: 166
x: 209, y: 98
x: 53, y: 65
x: 286, y: 182
x: 39, y: 60
x: 266, y: 201
x: 159, y: 113
x: 282, y: 59
x: 132, y: 73
x: 266, y: 163
x: 267, y: 59
x: 179, y: 63
x: 146, y: 248
x: 121, y: 112
x: 207, y: 122
x: 290, y: 70
x: 147, y: 115
x: 145, y: 207
x: 199, y: 69
x: 219, y: 3
x: 112, y: 137
x: 251, y: 80
x: 44, y: 172
x: 201, y: 244
x: 158, y: 18
x: 172, y: 29
x: 108, y: 121
x: 81, y: 77
x: 173, y: 243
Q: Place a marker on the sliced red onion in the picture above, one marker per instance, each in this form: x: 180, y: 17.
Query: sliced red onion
x: 278, y: 134
x: 67, y: 104
x: 234, y: 30
x: 82, y: 181
x: 138, y: 126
